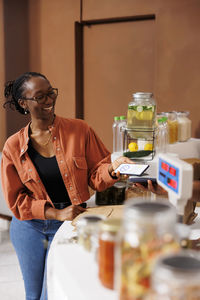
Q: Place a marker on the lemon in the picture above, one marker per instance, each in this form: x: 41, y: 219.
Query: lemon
x: 148, y: 146
x: 133, y: 147
x: 148, y: 115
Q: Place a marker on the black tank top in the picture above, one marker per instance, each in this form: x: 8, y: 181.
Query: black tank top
x: 48, y: 170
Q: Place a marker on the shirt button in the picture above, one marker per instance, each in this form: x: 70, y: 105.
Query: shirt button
x: 54, y: 138
x: 75, y: 199
x: 58, y: 149
x: 30, y: 170
x: 61, y: 161
x: 22, y: 150
x: 65, y: 174
x: 70, y: 188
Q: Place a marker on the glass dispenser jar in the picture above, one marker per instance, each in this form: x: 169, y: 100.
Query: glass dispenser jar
x: 141, y: 111
x: 176, y: 277
x: 184, y: 126
x: 147, y: 232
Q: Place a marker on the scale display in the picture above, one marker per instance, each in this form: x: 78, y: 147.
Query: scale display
x: 169, y: 175
x: 176, y: 177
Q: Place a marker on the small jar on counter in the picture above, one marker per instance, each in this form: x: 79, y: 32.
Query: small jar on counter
x: 162, y: 135
x: 106, y: 254
x: 114, y: 195
x: 176, y: 277
x: 184, y: 126
x: 148, y: 230
x: 88, y: 230
x: 173, y: 126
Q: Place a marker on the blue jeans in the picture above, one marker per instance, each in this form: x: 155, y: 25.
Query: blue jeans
x: 31, y: 240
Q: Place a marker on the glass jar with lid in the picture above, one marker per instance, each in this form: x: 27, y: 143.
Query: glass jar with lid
x: 162, y: 135
x: 141, y: 111
x: 173, y: 126
x: 176, y: 277
x: 184, y: 126
x: 148, y: 230
x: 87, y: 231
x: 106, y: 253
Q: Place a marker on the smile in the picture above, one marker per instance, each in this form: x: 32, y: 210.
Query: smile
x: 48, y: 108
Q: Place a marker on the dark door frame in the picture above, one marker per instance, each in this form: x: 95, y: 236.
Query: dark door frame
x: 79, y: 54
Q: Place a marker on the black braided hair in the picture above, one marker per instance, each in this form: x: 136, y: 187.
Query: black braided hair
x: 14, y: 89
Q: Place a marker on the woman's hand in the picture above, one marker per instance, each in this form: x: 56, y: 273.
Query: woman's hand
x: 69, y: 213
x: 116, y: 163
x: 66, y: 214
x: 156, y: 189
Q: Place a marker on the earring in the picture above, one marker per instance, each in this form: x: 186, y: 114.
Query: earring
x: 25, y: 112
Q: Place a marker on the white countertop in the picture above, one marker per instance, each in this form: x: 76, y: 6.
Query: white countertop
x: 72, y: 273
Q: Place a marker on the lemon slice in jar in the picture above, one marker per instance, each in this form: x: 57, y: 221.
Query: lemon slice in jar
x: 133, y: 147
x: 148, y: 146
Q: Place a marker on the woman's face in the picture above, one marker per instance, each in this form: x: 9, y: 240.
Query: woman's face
x: 36, y: 87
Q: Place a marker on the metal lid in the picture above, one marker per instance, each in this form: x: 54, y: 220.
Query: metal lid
x: 182, y: 263
x: 111, y: 225
x: 147, y: 207
x: 89, y: 220
x: 120, y: 184
x: 142, y: 95
x: 140, y: 211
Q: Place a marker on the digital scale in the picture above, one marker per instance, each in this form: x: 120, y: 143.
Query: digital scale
x: 176, y: 177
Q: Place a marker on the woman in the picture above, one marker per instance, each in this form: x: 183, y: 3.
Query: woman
x: 46, y: 169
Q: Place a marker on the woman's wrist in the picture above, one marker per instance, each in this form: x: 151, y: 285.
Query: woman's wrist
x: 50, y: 213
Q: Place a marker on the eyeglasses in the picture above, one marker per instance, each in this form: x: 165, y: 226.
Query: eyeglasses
x: 53, y: 93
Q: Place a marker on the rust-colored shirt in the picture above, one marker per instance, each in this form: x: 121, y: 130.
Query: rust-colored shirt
x: 82, y: 159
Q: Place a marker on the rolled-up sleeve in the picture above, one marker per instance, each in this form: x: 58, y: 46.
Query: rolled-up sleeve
x: 98, y: 160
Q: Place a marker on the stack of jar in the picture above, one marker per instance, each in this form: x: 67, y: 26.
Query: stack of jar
x: 179, y: 126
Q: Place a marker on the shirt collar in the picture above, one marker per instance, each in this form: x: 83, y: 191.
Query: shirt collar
x: 25, y: 135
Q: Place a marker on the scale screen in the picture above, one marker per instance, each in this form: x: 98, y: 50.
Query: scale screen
x: 169, y: 175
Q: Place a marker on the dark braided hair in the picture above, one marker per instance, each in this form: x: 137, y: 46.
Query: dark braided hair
x: 14, y: 89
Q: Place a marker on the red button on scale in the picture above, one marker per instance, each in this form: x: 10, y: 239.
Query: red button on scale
x: 172, y: 171
x: 165, y: 167
x: 172, y: 183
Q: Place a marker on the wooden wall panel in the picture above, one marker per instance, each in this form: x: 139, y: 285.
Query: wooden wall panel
x: 2, y: 79
x: 16, y: 55
x: 118, y: 8
x: 178, y: 59
x: 119, y: 59
x: 55, y: 47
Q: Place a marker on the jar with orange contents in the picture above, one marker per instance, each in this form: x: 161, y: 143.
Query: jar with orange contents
x: 106, y: 252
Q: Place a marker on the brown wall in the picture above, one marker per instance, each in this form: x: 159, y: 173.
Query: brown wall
x: 2, y: 78
x: 52, y: 46
x: 39, y: 35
